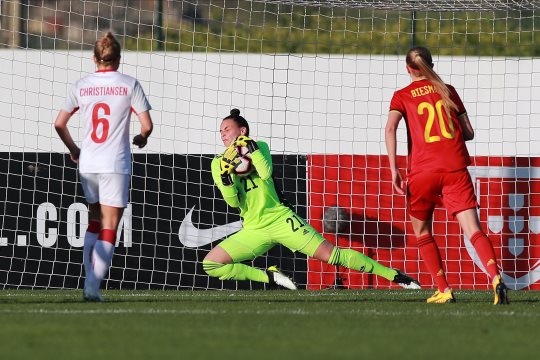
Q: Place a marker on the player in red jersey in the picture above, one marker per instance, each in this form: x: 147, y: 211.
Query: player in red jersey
x: 437, y: 128
x: 106, y: 100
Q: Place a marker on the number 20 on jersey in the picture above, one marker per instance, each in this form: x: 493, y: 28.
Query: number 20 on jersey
x: 431, y: 113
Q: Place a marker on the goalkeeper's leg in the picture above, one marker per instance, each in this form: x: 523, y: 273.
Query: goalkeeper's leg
x: 234, y: 271
x: 224, y: 261
x: 238, y: 271
x: 352, y: 259
x: 321, y: 249
x: 220, y: 264
x: 305, y: 239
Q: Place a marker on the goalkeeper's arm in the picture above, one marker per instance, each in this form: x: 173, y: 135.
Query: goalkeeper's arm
x: 229, y: 193
x: 262, y: 160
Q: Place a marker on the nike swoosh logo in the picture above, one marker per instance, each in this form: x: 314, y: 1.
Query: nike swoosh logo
x: 191, y: 236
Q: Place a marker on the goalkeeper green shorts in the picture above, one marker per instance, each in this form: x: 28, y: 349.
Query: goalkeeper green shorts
x: 290, y: 230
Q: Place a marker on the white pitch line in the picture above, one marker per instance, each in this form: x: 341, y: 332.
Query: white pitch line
x: 297, y: 312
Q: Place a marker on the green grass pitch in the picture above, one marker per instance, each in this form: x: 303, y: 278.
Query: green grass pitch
x: 332, y: 324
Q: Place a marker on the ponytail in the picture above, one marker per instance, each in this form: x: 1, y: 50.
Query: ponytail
x: 419, y: 58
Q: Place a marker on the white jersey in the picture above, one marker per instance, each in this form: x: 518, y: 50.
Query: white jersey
x: 106, y: 100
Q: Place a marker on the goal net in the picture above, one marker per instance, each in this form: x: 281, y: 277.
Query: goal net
x: 314, y: 79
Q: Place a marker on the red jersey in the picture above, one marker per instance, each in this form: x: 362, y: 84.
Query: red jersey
x: 435, y: 143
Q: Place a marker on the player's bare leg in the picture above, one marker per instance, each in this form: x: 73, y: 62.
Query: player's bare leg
x: 217, y: 254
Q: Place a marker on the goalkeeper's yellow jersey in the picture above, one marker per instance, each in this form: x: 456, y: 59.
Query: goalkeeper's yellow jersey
x: 255, y: 194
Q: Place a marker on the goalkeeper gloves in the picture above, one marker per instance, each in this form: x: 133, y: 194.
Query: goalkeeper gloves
x: 229, y: 161
x: 242, y: 141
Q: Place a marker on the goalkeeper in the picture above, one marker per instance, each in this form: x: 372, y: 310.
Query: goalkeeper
x: 267, y: 221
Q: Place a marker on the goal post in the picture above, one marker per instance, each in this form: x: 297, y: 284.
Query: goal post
x: 314, y: 79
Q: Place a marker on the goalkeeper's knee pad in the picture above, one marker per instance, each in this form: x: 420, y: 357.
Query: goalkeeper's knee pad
x: 219, y: 270
x: 212, y: 268
x: 334, y: 256
x: 225, y: 271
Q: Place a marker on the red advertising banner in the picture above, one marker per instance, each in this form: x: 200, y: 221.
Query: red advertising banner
x: 508, y: 190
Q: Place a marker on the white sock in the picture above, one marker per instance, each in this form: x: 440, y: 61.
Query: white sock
x: 102, y: 256
x: 90, y: 239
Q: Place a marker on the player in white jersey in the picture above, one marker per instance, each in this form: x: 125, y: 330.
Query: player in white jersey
x: 106, y: 100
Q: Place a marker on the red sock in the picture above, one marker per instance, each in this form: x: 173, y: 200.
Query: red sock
x: 485, y: 252
x: 432, y: 258
x: 107, y: 235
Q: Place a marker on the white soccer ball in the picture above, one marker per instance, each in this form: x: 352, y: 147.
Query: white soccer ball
x: 246, y: 166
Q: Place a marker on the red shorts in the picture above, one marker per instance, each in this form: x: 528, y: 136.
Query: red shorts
x: 453, y: 190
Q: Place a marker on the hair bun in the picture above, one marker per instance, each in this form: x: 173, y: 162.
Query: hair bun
x: 235, y: 112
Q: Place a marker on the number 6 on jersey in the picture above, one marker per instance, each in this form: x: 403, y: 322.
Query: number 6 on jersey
x: 104, y: 122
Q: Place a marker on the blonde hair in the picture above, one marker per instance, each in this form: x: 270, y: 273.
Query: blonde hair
x: 107, y: 50
x: 419, y: 58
